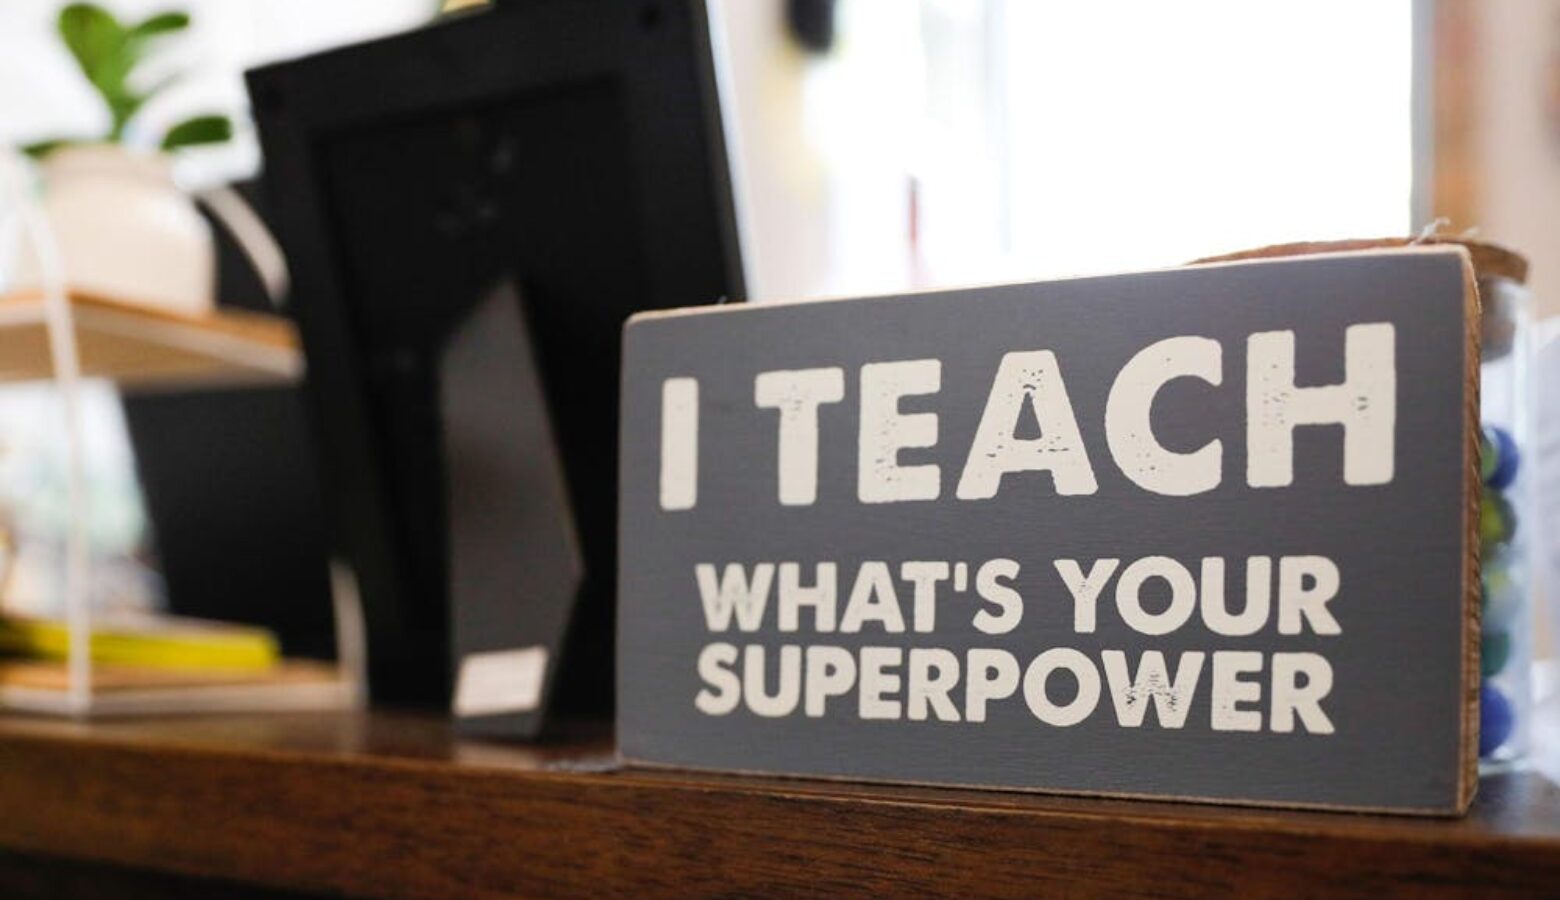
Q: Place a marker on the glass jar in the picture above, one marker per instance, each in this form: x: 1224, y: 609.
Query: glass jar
x: 1506, y: 511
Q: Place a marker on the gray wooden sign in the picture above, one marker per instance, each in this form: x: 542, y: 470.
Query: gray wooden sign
x: 1202, y: 533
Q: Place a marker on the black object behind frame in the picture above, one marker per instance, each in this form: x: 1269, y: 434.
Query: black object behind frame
x: 229, y: 474
x: 326, y: 122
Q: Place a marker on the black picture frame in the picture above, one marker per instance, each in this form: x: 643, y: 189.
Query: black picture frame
x: 630, y: 85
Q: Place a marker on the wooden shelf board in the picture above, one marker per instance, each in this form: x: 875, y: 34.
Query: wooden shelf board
x: 48, y: 675
x: 141, y: 348
x: 384, y: 804
x: 43, y: 687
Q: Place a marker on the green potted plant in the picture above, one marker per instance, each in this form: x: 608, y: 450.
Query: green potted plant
x: 123, y: 227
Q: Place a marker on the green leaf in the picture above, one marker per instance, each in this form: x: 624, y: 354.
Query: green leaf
x: 40, y: 149
x: 161, y: 23
x: 91, y: 34
x: 127, y: 102
x: 199, y: 130
x: 105, y: 54
x: 108, y: 53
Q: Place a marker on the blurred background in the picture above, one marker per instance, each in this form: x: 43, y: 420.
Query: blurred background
x: 947, y: 141
x: 877, y: 146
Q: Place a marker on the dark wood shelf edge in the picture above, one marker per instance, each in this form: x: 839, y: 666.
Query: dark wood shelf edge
x: 394, y: 807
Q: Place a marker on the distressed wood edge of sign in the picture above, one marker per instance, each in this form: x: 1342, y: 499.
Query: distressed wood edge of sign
x: 1489, y: 259
x: 1468, y: 779
x: 1467, y: 782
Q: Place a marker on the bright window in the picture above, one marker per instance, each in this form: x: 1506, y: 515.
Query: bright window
x: 1146, y: 134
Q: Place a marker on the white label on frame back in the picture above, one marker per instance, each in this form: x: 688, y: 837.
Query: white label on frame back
x: 503, y: 681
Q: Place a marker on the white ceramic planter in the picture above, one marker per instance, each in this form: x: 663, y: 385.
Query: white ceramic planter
x: 125, y: 230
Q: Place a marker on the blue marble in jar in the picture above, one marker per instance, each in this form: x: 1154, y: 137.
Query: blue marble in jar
x: 1499, y: 457
x: 1496, y: 719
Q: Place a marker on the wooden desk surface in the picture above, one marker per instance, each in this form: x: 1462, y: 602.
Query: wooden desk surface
x: 392, y: 805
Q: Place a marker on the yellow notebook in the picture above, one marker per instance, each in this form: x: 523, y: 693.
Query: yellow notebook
x: 146, y: 640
